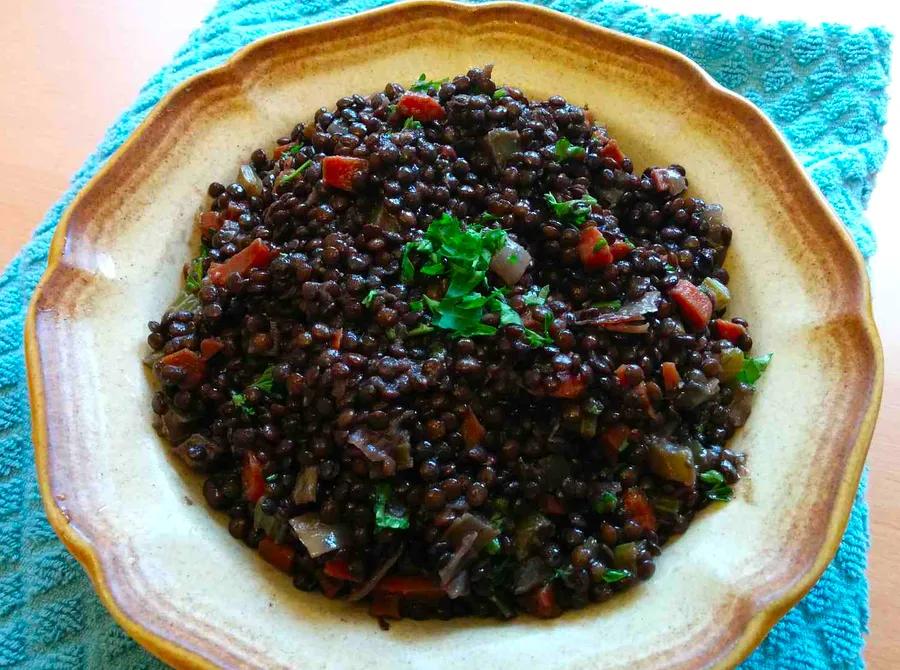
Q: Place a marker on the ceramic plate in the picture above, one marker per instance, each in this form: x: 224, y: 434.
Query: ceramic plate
x: 167, y: 568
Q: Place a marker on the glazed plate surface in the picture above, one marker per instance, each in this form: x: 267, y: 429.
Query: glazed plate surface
x: 165, y: 565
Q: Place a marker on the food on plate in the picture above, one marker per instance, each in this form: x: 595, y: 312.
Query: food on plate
x: 446, y: 351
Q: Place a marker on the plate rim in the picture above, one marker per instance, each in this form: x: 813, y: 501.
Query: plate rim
x: 768, y: 610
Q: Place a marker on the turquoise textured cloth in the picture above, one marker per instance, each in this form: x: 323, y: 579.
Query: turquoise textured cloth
x: 823, y: 85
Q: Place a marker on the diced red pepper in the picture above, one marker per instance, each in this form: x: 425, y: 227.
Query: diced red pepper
x: 385, y: 607
x: 336, y: 338
x: 639, y: 508
x: 612, y: 150
x: 193, y: 364
x: 620, y: 249
x: 234, y: 210
x: 339, y: 569
x: 257, y: 254
x: 421, y: 107
x: 641, y: 392
x: 729, y: 331
x: 472, y: 431
x: 409, y: 587
x: 695, y: 306
x: 593, y: 249
x: 572, y: 386
x: 280, y: 149
x: 210, y: 222
x: 279, y: 555
x: 252, y: 478
x: 613, y: 438
x: 552, y: 505
x: 671, y: 378
x: 330, y: 586
x: 542, y: 602
x: 339, y: 171
x: 210, y: 346
x: 621, y: 376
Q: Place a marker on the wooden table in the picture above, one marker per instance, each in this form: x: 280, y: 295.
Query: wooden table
x: 70, y: 68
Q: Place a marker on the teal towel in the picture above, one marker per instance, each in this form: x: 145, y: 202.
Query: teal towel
x: 823, y: 85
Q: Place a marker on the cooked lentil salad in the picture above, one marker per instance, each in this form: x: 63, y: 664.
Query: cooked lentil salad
x: 445, y: 351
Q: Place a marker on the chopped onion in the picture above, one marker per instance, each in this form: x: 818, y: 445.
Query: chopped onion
x: 383, y: 219
x: 713, y: 214
x: 741, y: 404
x: 534, y: 572
x: 305, y: 486
x: 318, y: 537
x: 668, y: 179
x: 458, y: 586
x: 469, y: 523
x: 176, y: 426
x: 338, y: 126
x: 503, y: 144
x: 460, y: 556
x: 251, y: 182
x: 716, y: 290
x: 510, y: 262
x: 672, y: 461
x: 273, y: 526
x: 366, y: 588
x: 647, y: 304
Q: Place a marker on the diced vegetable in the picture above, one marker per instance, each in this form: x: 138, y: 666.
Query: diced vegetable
x: 339, y: 569
x: 668, y: 180
x: 612, y: 150
x: 694, y: 304
x: 620, y: 249
x: 254, y: 484
x: 210, y: 346
x: 612, y: 576
x: 409, y: 587
x: 621, y: 377
x: 732, y: 361
x: 510, y: 262
x: 614, y: 439
x: 696, y: 389
x: 462, y: 554
x: 741, y: 404
x: 639, y: 508
x: 752, y: 369
x: 251, y: 182
x: 572, y: 212
x: 528, y: 532
x: 191, y: 362
x: 532, y: 573
x: 199, y: 452
x: 387, y: 515
x: 257, y: 254
x: 727, y: 330
x: 503, y: 143
x: 671, y: 378
x: 319, y: 537
x: 459, y: 586
x: 542, y: 603
x: 593, y: 249
x: 281, y: 149
x: 625, y: 556
x: 209, y: 222
x: 279, y: 555
x: 273, y: 526
x: 472, y: 430
x: 377, y: 576
x: 716, y: 290
x: 718, y: 490
x: 421, y: 107
x: 571, y: 386
x: 672, y: 461
x: 306, y: 486
x: 339, y: 171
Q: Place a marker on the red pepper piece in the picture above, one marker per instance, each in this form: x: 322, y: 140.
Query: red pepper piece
x: 210, y: 346
x: 613, y: 438
x: 472, y: 431
x: 571, y: 386
x: 339, y: 569
x: 409, y: 587
x: 193, y: 364
x: 542, y: 602
x: 639, y: 509
x: 421, y: 107
x: 279, y: 555
x: 695, y: 306
x: 210, y: 222
x: 729, y: 331
x: 612, y: 150
x: 252, y: 478
x: 330, y: 586
x: 234, y: 210
x: 336, y: 338
x: 257, y: 254
x: 339, y: 171
x: 671, y: 378
x: 593, y: 249
x: 621, y: 377
x: 620, y: 249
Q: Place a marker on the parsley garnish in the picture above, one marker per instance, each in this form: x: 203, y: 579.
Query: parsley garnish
x: 565, y: 149
x: 387, y: 516
x: 422, y: 329
x: 423, y: 83
x: 416, y: 306
x: 605, y: 503
x: 535, y: 339
x: 718, y: 490
x: 493, y: 547
x: 572, y: 212
x: 265, y: 381
x: 499, y: 93
x: 609, y: 304
x: 411, y: 124
x: 536, y: 296
x: 753, y: 368
x: 562, y: 573
x: 294, y: 150
x: 613, y: 576
x: 194, y: 279
x: 239, y: 400
x: 293, y: 174
x: 600, y: 243
x: 370, y: 296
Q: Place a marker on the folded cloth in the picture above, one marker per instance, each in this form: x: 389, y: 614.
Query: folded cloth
x: 823, y: 85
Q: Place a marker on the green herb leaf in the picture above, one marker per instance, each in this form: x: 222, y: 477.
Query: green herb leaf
x: 600, y: 243
x: 606, y: 503
x: 535, y: 339
x: 194, y: 280
x: 565, y: 149
x: 422, y: 329
x: 239, y: 400
x: 265, y: 381
x: 753, y: 368
x: 407, y: 271
x: 613, y: 576
x: 571, y: 212
x: 294, y: 150
x: 493, y: 547
x: 536, y: 296
x: 386, y: 516
x: 499, y: 93
x: 562, y: 573
x: 370, y: 296
x: 609, y: 304
x: 508, y: 316
x: 411, y: 124
x: 416, y: 305
x: 293, y: 174
x: 719, y: 490
x: 392, y: 109
x: 423, y: 83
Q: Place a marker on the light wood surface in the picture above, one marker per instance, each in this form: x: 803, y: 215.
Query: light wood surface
x: 68, y: 69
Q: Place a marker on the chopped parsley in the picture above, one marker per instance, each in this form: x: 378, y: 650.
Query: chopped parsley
x: 565, y: 149
x: 562, y: 573
x: 536, y: 296
x: 571, y: 212
x: 499, y: 93
x: 411, y: 124
x: 293, y: 174
x: 718, y: 490
x: 493, y: 547
x: 294, y: 150
x: 265, y: 380
x: 370, y: 296
x: 600, y: 243
x: 416, y: 306
x: 613, y: 576
x: 423, y: 83
x: 386, y: 515
x: 240, y: 401
x: 606, y: 503
x: 609, y: 304
x: 194, y: 279
x: 753, y: 368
